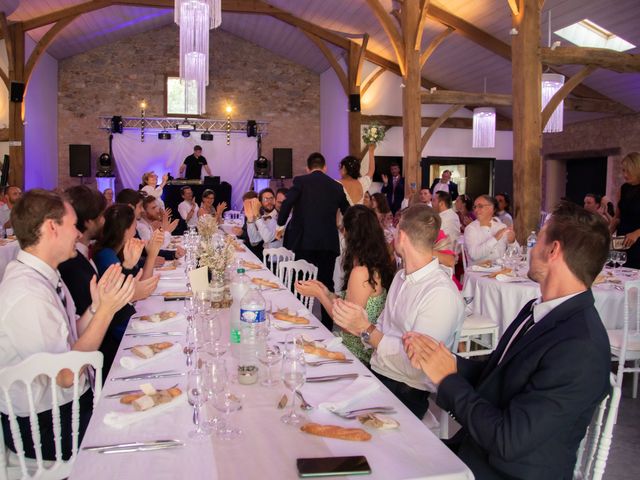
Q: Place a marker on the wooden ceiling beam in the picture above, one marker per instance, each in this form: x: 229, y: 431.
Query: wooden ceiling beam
x: 437, y: 124
x: 435, y: 43
x: 424, y: 4
x: 392, y: 32
x: 456, y: 122
x: 53, y: 17
x: 594, y: 105
x: 333, y: 61
x: 600, y: 57
x: 370, y: 79
x: 452, y: 97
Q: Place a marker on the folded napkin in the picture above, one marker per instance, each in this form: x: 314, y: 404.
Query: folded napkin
x: 171, y: 283
x: 480, y: 268
x: 172, y: 275
x: 121, y: 420
x: 131, y: 362
x: 143, y: 325
x: 510, y: 278
x: 332, y: 343
x: 360, y: 388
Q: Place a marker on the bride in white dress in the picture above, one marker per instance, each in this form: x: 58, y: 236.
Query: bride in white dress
x: 353, y: 183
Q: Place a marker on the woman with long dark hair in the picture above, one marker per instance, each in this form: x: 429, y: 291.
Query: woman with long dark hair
x: 368, y: 272
x: 355, y: 185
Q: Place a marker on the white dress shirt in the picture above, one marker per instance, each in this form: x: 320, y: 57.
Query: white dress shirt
x: 184, y: 208
x: 450, y: 224
x: 480, y: 242
x: 154, y: 192
x: 425, y: 301
x: 264, y: 230
x: 145, y: 232
x: 5, y: 214
x: 505, y: 218
x: 33, y: 320
x: 440, y: 187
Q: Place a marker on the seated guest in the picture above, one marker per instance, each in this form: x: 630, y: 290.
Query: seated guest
x: 597, y: 204
x: 445, y: 184
x: 250, y: 206
x: 524, y: 409
x: 207, y: 208
x: 188, y: 208
x: 281, y: 194
x: 424, y: 196
x: 421, y: 298
x: 486, y: 238
x: 366, y: 200
x: 262, y: 224
x: 368, y: 272
x: 108, y: 196
x: 504, y: 209
x: 464, y: 209
x: 150, y: 185
x: 11, y: 195
x: 39, y: 315
x: 380, y: 206
x: 450, y: 221
x: 155, y: 218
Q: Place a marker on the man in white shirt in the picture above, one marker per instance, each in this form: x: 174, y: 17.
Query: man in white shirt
x: 424, y: 196
x: 525, y: 409
x: 422, y: 297
x: 153, y: 218
x: 445, y: 184
x: 11, y: 195
x: 262, y: 228
x: 188, y: 208
x: 450, y: 220
x: 38, y: 313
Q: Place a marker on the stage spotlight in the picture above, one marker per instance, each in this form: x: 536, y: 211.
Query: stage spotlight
x: 207, y: 136
x: 105, y: 169
x: 252, y: 128
x: 164, y: 136
x: 186, y: 134
x: 261, y: 168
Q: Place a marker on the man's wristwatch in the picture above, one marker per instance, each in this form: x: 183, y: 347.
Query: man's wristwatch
x: 365, y: 336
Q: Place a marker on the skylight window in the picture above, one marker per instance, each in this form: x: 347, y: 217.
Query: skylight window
x: 585, y: 33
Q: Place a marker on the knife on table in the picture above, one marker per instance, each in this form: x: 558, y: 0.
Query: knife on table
x: 331, y: 378
x: 146, y: 376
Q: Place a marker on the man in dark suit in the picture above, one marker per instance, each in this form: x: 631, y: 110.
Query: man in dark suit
x: 445, y: 184
x: 314, y: 200
x: 393, y: 188
x: 525, y: 410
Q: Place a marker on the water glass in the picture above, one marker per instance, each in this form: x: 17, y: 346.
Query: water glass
x: 294, y: 374
x: 197, y: 395
x: 216, y: 381
x: 622, y: 258
x: 226, y: 403
x: 269, y: 355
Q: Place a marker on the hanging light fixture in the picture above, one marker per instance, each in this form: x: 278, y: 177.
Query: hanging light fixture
x: 196, y: 18
x: 551, y: 83
x: 484, y: 127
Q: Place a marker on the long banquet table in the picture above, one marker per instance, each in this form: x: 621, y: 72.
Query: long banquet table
x: 502, y: 301
x: 268, y: 449
x: 8, y: 251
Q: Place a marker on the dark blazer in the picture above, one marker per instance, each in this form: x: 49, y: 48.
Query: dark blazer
x: 77, y: 273
x: 525, y: 417
x: 315, y: 199
x: 397, y: 194
x: 453, y: 188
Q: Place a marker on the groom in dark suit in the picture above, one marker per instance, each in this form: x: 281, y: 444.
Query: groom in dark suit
x: 525, y: 410
x: 313, y: 202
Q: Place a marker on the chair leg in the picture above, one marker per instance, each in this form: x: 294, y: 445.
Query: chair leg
x: 636, y: 365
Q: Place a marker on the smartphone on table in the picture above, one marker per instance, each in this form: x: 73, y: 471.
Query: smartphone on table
x: 332, y: 466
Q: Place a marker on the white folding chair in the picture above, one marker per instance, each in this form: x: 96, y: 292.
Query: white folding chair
x: 272, y: 257
x: 625, y: 342
x: 292, y: 271
x: 479, y: 330
x: 594, y: 448
x: 16, y: 465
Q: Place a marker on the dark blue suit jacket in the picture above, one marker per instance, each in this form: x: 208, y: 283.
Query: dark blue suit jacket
x: 525, y: 417
x: 397, y: 194
x: 453, y: 188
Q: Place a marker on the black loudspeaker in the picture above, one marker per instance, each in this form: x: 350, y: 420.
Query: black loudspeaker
x: 354, y: 102
x: 17, y: 91
x: 80, y: 160
x: 252, y: 128
x: 282, y: 162
x: 116, y: 124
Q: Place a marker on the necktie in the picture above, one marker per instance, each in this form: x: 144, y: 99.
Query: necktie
x: 60, y: 292
x: 526, y: 326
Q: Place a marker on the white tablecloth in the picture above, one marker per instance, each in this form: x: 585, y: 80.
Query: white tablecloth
x: 8, y: 252
x: 268, y: 448
x: 502, y: 301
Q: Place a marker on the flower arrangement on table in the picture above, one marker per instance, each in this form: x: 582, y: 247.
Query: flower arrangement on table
x: 207, y: 227
x: 217, y: 254
x: 373, y: 134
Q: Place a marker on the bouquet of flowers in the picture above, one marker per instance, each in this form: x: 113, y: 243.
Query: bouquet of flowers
x: 217, y: 255
x: 373, y: 134
x: 207, y: 227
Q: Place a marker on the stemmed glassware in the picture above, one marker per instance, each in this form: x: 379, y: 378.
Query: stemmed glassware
x: 226, y: 403
x: 269, y: 355
x: 294, y: 374
x: 216, y: 381
x: 212, y: 342
x: 197, y: 395
x: 622, y: 258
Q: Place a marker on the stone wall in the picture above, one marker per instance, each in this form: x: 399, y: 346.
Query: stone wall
x: 114, y: 78
x: 613, y: 137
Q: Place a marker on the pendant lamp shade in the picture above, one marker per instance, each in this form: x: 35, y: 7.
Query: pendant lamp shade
x: 484, y: 127
x: 551, y: 83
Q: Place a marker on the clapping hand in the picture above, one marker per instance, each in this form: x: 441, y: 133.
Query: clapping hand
x: 430, y: 356
x: 144, y: 288
x: 167, y: 224
x: 350, y: 316
x: 131, y: 252
x: 222, y: 206
x: 155, y: 243
x: 312, y: 288
x: 255, y: 204
x: 113, y: 291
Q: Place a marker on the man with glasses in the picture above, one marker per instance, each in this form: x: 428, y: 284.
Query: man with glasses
x: 487, y: 238
x: 262, y: 228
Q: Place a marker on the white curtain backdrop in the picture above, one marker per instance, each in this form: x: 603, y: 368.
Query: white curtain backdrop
x: 232, y: 163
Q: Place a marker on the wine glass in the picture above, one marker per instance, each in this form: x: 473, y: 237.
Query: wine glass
x: 622, y: 258
x: 294, y: 374
x: 269, y: 355
x: 191, y: 343
x: 226, y: 403
x: 216, y: 380
x: 197, y: 395
x: 211, y: 337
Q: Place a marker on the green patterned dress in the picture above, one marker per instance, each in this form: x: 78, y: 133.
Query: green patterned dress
x: 374, y: 308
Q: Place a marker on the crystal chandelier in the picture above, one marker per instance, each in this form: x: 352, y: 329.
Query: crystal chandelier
x: 551, y: 83
x: 195, y: 18
x: 484, y: 127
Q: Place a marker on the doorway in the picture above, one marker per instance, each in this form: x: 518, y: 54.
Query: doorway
x: 585, y: 175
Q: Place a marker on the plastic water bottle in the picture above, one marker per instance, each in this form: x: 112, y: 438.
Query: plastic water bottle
x: 253, y: 326
x: 531, y: 241
x: 239, y: 286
